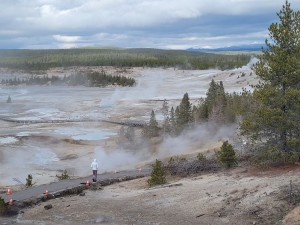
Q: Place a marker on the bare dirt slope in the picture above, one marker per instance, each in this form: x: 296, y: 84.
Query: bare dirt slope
x: 239, y: 196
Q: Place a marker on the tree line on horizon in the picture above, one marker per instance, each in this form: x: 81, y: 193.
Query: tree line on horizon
x: 33, y: 60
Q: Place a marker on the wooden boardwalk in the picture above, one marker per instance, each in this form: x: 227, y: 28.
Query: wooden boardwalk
x: 125, y: 123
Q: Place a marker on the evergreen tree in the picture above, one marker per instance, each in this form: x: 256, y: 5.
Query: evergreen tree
x: 226, y: 156
x: 195, y: 113
x: 157, y: 174
x: 8, y: 99
x: 210, y: 97
x: 178, y: 125
x: 151, y: 129
x: 130, y: 134
x: 172, y: 122
x: 217, y: 113
x: 214, y: 105
x: 183, y: 113
x: 165, y: 112
x: 276, y: 118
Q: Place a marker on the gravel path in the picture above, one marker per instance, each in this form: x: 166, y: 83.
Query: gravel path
x: 37, y: 191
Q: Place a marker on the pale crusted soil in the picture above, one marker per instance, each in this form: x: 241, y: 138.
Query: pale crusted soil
x: 237, y: 196
x: 154, y: 85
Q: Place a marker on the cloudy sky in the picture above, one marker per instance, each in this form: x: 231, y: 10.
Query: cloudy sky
x: 168, y: 24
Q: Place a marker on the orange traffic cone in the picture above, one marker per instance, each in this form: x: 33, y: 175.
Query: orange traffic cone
x: 87, y: 183
x: 46, y: 193
x: 8, y: 191
x: 10, y: 202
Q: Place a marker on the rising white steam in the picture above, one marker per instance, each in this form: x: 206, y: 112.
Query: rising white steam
x: 147, y: 88
x: 203, y: 137
x: 200, y: 139
x: 251, y: 63
x: 115, y: 159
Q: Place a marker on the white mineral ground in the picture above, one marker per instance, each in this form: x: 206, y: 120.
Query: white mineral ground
x: 44, y: 149
x: 237, y: 196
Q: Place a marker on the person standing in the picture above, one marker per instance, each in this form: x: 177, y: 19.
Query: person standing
x: 94, y: 166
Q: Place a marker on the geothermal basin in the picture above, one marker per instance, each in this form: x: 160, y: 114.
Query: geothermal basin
x: 61, y: 127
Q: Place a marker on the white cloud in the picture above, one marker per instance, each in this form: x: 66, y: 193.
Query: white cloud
x: 62, y: 38
x: 68, y: 45
x: 178, y: 46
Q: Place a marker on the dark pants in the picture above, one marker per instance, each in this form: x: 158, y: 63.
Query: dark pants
x: 94, y: 175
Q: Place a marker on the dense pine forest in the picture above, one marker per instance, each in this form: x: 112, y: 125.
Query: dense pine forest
x: 45, y: 59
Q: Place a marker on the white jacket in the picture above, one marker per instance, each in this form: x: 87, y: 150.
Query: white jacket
x: 94, y: 165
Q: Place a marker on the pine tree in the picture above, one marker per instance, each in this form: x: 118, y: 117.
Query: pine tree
x: 195, y: 114
x: 276, y: 119
x: 8, y: 99
x: 130, y: 134
x: 157, y: 174
x: 183, y: 113
x: 151, y: 129
x: 226, y: 156
x: 172, y: 122
x: 165, y: 112
x: 217, y: 113
x: 165, y: 109
x: 211, y: 96
x: 214, y: 105
x: 185, y: 109
x: 153, y: 125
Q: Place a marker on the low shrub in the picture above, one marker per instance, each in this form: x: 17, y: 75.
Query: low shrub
x: 183, y: 168
x: 29, y: 181
x: 3, y: 207
x: 64, y: 175
x: 201, y: 157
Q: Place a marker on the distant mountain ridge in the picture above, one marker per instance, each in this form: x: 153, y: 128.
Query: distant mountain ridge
x: 252, y: 47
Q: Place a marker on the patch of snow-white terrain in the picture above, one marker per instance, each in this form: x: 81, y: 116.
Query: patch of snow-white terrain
x: 41, y: 149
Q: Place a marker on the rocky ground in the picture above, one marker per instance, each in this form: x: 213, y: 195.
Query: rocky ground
x: 238, y: 196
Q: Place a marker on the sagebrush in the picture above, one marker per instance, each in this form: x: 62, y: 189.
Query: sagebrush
x: 64, y: 175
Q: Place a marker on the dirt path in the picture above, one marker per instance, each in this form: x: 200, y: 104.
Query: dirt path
x: 235, y: 197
